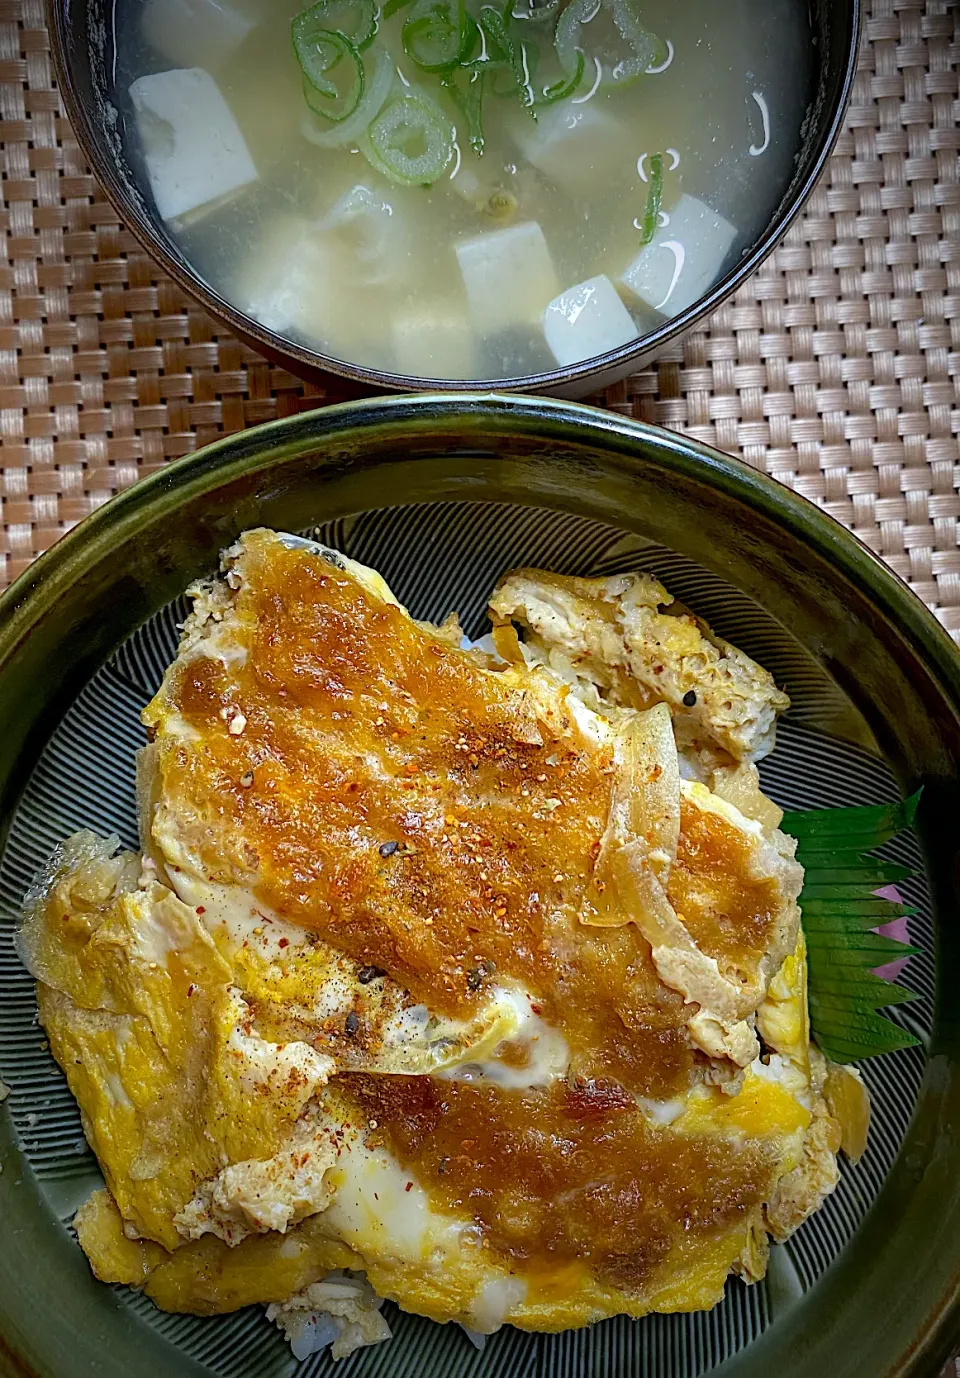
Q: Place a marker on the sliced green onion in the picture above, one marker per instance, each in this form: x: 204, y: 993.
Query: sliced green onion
x: 507, y: 53
x: 620, y: 43
x: 532, y: 13
x: 648, y: 49
x: 393, y: 7
x: 651, y: 216
x: 470, y: 103
x: 560, y: 90
x: 328, y: 134
x: 411, y: 140
x: 439, y: 34
x: 355, y: 19
x: 324, y: 96
x: 494, y: 26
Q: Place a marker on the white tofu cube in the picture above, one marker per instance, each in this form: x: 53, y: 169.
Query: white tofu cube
x: 296, y: 282
x: 195, y: 33
x: 579, y: 147
x: 587, y: 320
x: 373, y: 232
x: 192, y: 146
x: 434, y: 344
x: 683, y: 260
x: 289, y: 282
x: 509, y: 277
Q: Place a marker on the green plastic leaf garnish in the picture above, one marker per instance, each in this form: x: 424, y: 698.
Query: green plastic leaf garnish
x: 840, y: 911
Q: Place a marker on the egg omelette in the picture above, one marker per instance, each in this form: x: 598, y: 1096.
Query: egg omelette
x: 475, y: 971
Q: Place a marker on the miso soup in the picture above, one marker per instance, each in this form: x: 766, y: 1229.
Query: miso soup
x: 460, y: 189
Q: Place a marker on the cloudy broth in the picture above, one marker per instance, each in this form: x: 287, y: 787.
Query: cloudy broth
x: 334, y: 189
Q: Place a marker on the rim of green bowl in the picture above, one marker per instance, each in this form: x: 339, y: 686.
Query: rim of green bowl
x: 499, y: 413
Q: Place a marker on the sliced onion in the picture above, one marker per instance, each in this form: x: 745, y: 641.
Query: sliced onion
x: 324, y: 134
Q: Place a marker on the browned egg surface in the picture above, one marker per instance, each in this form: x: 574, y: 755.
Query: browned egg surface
x: 415, y: 810
x: 571, y: 1172
x: 730, y: 914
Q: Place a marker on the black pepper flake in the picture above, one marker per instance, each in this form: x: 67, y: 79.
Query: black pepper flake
x: 690, y: 699
x: 442, y: 1166
x: 367, y: 974
x: 388, y: 848
x: 352, y: 1023
x: 475, y: 978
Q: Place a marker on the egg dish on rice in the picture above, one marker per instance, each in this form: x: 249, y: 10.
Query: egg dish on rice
x: 467, y: 977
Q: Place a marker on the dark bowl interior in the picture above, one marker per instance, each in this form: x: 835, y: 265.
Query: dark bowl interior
x: 887, y: 1304
x: 84, y: 51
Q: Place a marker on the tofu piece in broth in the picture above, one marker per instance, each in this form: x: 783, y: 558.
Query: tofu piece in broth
x: 299, y: 281
x: 193, y: 33
x: 509, y: 277
x: 435, y: 343
x: 373, y: 232
x: 195, y: 155
x: 578, y: 147
x: 285, y: 282
x: 587, y: 320
x: 683, y: 260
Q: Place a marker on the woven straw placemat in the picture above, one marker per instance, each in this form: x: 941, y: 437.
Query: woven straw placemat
x: 835, y: 368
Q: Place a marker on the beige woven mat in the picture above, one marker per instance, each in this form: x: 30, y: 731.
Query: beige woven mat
x: 835, y: 369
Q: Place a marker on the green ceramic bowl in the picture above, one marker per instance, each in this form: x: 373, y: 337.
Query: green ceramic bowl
x: 442, y: 493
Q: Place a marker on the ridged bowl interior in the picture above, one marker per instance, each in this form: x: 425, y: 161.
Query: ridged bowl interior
x: 437, y: 556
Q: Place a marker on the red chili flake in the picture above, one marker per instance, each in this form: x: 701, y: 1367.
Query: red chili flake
x: 190, y: 989
x: 537, y: 1009
x: 408, y: 1187
x: 284, y: 942
x: 201, y: 909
